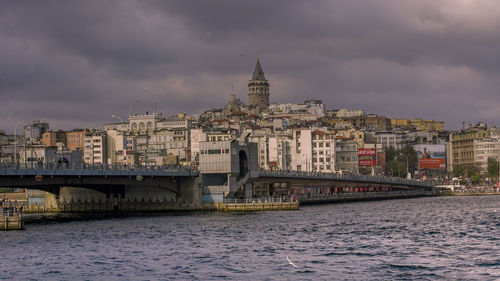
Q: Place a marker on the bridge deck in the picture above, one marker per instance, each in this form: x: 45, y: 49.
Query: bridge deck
x: 81, y: 170
x: 342, y: 178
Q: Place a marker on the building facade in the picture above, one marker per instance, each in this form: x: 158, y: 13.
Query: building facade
x: 462, y: 145
x: 485, y: 149
x: 95, y: 148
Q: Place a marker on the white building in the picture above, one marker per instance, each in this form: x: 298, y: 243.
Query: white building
x: 323, y: 149
x: 141, y: 124
x: 346, y: 113
x: 34, y: 130
x: 390, y: 139
x: 116, y: 147
x: 301, y: 150
x: 346, y: 155
x: 95, y: 148
x: 311, y: 107
x: 484, y: 149
x: 197, y: 136
x: 312, y: 150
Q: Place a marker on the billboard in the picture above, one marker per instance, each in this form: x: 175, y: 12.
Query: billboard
x: 430, y: 150
x: 367, y: 157
x: 431, y: 163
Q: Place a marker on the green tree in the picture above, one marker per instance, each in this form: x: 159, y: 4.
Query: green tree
x: 411, y: 154
x: 492, y: 168
x: 458, y: 171
x: 390, y: 154
x: 473, y: 171
x: 475, y: 178
x: 396, y: 168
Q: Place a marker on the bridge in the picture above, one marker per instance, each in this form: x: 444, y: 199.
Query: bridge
x: 313, y: 187
x: 118, y: 186
x: 145, y: 188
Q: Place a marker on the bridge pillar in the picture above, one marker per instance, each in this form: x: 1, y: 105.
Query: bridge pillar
x: 190, y: 191
x: 248, y: 191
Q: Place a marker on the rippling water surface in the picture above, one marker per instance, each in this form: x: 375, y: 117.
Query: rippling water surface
x: 427, y: 239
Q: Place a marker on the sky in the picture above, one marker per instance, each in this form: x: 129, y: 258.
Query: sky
x: 75, y: 63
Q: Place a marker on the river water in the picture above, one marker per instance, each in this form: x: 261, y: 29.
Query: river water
x: 448, y: 238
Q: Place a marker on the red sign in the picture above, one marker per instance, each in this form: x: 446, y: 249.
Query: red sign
x: 432, y: 163
x: 367, y: 157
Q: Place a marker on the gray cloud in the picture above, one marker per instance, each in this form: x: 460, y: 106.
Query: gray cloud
x: 74, y: 63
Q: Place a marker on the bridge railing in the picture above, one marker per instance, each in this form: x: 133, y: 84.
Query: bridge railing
x: 355, y: 178
x: 102, y: 168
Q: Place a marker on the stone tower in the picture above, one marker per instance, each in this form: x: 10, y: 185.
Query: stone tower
x: 258, y: 90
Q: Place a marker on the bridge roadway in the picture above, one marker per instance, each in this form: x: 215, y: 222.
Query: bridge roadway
x: 95, y: 170
x: 121, y: 184
x: 313, y: 187
x: 81, y: 182
x: 295, y: 176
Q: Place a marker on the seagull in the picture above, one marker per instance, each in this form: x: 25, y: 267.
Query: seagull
x: 290, y: 262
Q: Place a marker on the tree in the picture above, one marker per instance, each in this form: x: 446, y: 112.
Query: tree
x: 475, y: 178
x: 492, y: 168
x: 396, y: 168
x: 390, y: 154
x: 409, y: 152
x: 458, y: 171
x: 473, y: 171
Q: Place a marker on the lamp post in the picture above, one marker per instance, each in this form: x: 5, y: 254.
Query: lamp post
x: 15, y: 138
x: 124, y: 151
x: 118, y: 117
x: 407, y: 170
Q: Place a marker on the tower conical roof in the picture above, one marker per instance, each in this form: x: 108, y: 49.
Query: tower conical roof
x: 258, y: 74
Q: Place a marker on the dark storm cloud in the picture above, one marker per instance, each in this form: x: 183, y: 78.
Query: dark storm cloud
x: 74, y: 63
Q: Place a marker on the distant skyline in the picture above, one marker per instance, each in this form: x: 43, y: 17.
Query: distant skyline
x: 74, y: 63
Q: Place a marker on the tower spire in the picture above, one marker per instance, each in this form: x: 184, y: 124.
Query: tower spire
x: 258, y: 74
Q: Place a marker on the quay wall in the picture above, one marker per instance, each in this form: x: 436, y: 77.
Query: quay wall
x: 250, y: 206
x: 11, y: 222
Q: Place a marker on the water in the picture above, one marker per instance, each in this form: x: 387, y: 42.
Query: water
x: 449, y: 238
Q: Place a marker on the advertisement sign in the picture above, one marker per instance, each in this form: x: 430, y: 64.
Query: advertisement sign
x: 432, y: 163
x: 367, y: 157
x: 430, y: 150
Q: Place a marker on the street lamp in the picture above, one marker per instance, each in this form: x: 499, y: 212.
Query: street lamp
x: 407, y: 170
x: 124, y: 145
x: 15, y: 138
x: 118, y: 117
